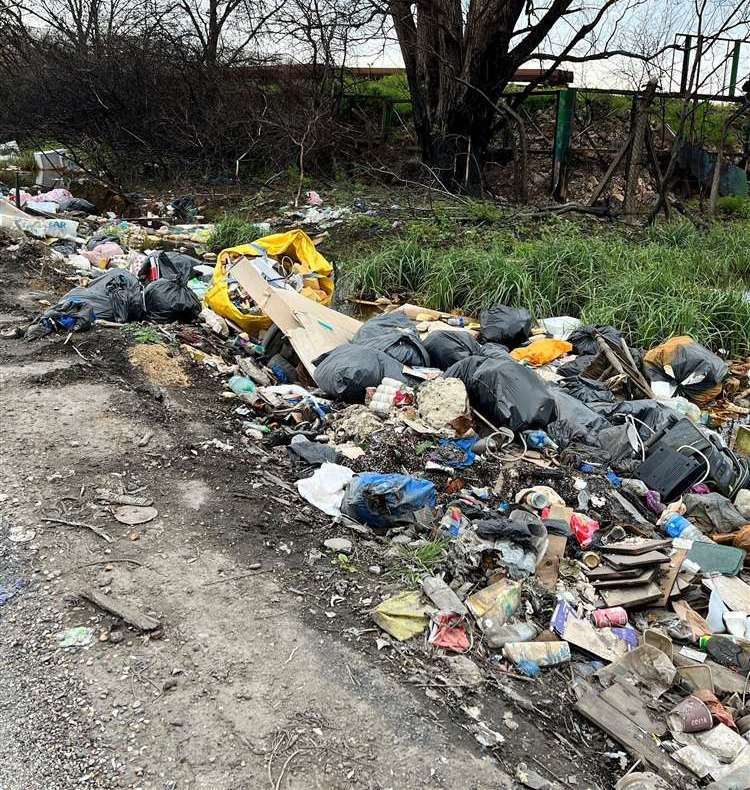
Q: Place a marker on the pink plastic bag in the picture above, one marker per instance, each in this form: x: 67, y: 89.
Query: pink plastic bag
x: 583, y: 528
x: 103, y: 252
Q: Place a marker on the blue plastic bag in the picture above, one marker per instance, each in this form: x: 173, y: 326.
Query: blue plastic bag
x: 382, y: 500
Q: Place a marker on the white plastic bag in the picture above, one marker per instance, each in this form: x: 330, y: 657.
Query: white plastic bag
x: 716, y: 609
x: 325, y: 489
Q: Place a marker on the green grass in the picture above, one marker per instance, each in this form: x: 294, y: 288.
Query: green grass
x: 231, y: 231
x: 734, y: 207
x: 414, y: 563
x: 672, y: 279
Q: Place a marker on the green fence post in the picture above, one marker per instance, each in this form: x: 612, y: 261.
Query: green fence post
x: 566, y: 105
x: 735, y: 68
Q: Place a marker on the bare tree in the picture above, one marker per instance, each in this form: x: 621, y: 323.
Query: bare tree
x: 224, y: 31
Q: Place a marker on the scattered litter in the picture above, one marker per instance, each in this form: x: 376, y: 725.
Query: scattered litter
x: 132, y: 515
x: 80, y: 636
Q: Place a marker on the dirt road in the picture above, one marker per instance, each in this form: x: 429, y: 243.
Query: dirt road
x: 237, y: 689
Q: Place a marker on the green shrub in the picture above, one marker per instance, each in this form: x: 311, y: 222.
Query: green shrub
x: 231, y: 231
x: 731, y: 206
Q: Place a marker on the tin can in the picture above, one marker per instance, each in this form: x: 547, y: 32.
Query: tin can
x: 691, y: 715
x: 591, y: 560
x: 610, y: 618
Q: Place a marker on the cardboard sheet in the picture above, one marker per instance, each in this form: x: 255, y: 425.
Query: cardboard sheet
x: 312, y: 328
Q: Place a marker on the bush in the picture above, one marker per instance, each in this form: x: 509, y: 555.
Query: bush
x: 667, y: 281
x: 732, y: 206
x: 231, y: 231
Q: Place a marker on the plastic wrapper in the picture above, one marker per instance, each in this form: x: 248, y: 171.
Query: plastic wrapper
x: 583, y: 528
x: 347, y: 371
x: 686, y: 368
x: 311, y: 265
x: 510, y: 326
x: 507, y: 393
x: 713, y: 513
x: 446, y: 348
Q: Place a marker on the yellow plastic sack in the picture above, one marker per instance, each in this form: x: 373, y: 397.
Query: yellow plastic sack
x: 294, y: 243
x: 402, y: 616
x: 542, y: 351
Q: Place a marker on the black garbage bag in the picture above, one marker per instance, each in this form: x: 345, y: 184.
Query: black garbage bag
x: 494, y: 351
x: 583, y: 339
x: 649, y: 416
x: 690, y: 368
x: 69, y: 315
x: 396, y: 335
x: 507, y: 393
x: 446, y: 348
x: 510, y: 326
x: 347, y: 371
x: 169, y: 298
x: 114, y: 296
x: 65, y: 246
x: 575, y: 367
x: 587, y: 390
x: 77, y: 204
x: 574, y: 421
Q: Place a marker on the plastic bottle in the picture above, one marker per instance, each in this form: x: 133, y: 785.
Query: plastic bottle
x: 545, y: 654
x: 499, y: 635
x: 677, y: 526
x: 456, y: 321
x: 538, y: 440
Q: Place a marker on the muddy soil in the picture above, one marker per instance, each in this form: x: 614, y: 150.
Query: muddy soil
x: 266, y: 670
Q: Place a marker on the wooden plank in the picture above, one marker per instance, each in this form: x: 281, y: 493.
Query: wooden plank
x: 633, y: 581
x: 312, y: 328
x: 607, y: 573
x: 638, y: 743
x: 549, y: 568
x: 122, y: 610
x: 630, y: 704
x: 641, y: 547
x: 631, y: 597
x: 625, y: 561
x: 666, y: 583
x: 734, y: 592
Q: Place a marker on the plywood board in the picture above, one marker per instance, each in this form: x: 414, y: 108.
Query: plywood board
x: 734, y: 592
x: 639, y: 547
x: 623, y: 561
x: 637, y: 742
x: 630, y: 597
x: 312, y: 328
x: 629, y: 702
x: 667, y: 580
x: 630, y: 581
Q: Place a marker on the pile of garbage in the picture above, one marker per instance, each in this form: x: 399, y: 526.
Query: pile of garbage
x: 582, y: 493
x: 589, y: 501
